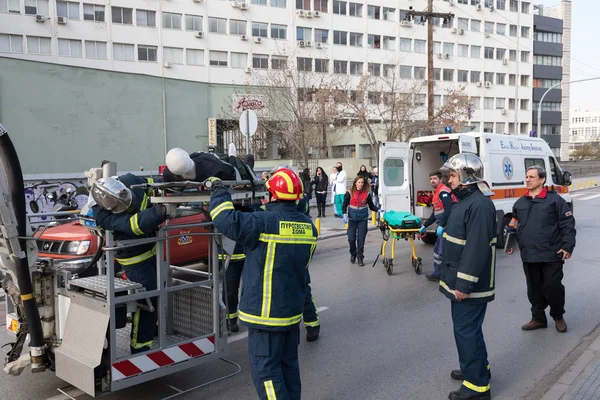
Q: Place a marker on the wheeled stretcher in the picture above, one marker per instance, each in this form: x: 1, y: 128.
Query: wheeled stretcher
x: 399, y: 225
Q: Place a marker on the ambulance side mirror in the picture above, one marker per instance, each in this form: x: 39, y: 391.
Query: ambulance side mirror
x: 566, y: 178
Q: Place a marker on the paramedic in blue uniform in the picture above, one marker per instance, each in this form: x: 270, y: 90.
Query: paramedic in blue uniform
x: 443, y: 201
x: 233, y: 277
x: 279, y: 244
x: 467, y: 272
x: 130, y: 215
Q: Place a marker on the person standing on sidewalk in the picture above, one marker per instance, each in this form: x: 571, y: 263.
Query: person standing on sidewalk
x: 340, y: 189
x: 356, y: 206
x: 443, y: 201
x: 321, y: 182
x: 467, y: 271
x: 545, y: 229
x: 375, y: 186
x: 307, y: 184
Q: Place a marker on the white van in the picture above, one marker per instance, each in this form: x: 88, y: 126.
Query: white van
x: 404, y: 170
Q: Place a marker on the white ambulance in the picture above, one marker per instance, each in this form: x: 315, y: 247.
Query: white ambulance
x: 404, y: 170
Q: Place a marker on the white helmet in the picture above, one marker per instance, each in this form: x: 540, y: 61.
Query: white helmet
x: 469, y: 169
x: 179, y: 163
x: 112, y: 195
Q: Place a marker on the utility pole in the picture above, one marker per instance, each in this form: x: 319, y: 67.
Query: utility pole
x: 428, y: 18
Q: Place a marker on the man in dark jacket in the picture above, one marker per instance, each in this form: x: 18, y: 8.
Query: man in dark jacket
x: 279, y: 244
x: 467, y: 271
x: 545, y: 229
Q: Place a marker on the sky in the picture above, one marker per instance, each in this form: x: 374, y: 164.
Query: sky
x: 585, y: 59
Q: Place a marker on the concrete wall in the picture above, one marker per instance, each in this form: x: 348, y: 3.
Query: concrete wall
x: 68, y: 119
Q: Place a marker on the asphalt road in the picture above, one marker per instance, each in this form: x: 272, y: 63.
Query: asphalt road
x: 390, y: 337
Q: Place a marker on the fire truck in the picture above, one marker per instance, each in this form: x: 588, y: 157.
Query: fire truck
x: 76, y: 323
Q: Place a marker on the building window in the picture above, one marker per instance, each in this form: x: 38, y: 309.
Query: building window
x: 547, y: 60
x: 10, y: 6
x: 420, y: 46
x: 501, y: 4
x: 524, y: 56
x: 525, y: 31
x: 320, y: 5
x: 512, y: 80
x: 218, y: 58
x: 237, y: 27
x: 463, y: 50
x: 374, y: 41
x: 488, y: 127
x: 278, y: 62
x: 194, y: 57
x: 374, y: 69
x: 95, y: 50
x: 145, y: 18
x: 475, y: 76
x: 512, y: 55
x: 524, y: 128
x: 475, y: 102
x: 437, y: 100
x: 239, y: 60
x: 548, y: 37
x: 123, y: 52
x: 303, y: 33
x: 475, y: 51
x: 449, y: 48
x: 69, y: 48
x: 194, y: 23
x: 278, y: 3
x: 171, y: 21
x: 278, y: 31
x: 147, y: 53
x: 356, y: 68
x: 488, y: 53
x: 545, y: 83
x: 39, y: 45
x: 500, y: 127
x: 304, y: 64
x: 260, y: 2
x: 340, y: 67
x: 303, y: 4
x: 524, y: 104
x: 463, y: 23
x: 217, y: 25
x: 67, y: 9
x: 356, y: 39
x: 525, y: 7
x: 500, y: 79
x: 260, y: 29
x: 389, y: 43
x: 555, y: 130
x: 437, y: 74
x: 463, y: 76
x: 339, y: 7
x: 355, y: 10
x: 524, y: 80
x: 547, y: 106
x: 321, y: 35
x: 340, y: 37
x: 420, y: 72
x: 93, y: 12
x: 448, y: 75
x: 512, y: 104
x: 321, y: 65
x: 374, y: 97
x: 500, y: 54
x: 389, y: 14
x: 373, y: 12
x: 437, y: 47
x: 34, y: 7
x: 514, y: 5
x: 173, y: 54
x: 500, y: 103
x: 405, y: 71
x: 513, y: 30
x: 122, y: 15
x: 489, y: 27
x: 475, y: 25
x: 501, y: 29
x: 405, y: 45
x: 488, y: 103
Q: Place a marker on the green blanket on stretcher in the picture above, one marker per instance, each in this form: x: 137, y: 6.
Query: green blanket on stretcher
x: 401, y: 220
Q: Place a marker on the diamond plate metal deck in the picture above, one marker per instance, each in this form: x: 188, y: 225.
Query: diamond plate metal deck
x: 123, y: 341
x: 192, y: 312
x: 98, y: 284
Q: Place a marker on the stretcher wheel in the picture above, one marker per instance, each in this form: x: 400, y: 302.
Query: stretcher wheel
x: 389, y: 267
x: 419, y: 266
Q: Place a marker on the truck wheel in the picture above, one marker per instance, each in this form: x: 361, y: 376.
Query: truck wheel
x: 430, y: 238
x: 500, y: 242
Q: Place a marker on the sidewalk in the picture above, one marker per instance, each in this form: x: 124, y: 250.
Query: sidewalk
x: 585, y: 182
x: 330, y: 225
x: 582, y: 380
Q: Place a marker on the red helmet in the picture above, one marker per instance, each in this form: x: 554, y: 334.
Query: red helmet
x: 285, y: 184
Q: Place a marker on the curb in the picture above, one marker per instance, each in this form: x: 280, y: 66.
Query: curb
x: 565, y: 382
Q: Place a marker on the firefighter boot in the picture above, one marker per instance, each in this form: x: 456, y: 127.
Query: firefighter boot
x: 456, y: 374
x: 312, y: 333
x: 233, y: 326
x: 463, y: 395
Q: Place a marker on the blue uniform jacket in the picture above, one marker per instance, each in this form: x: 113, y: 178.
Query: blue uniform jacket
x: 279, y: 244
x: 143, y: 221
x: 469, y: 248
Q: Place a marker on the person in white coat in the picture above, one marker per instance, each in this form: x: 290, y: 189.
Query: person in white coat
x: 340, y: 189
x: 332, y: 177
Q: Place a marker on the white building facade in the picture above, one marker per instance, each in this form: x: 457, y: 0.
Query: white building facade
x: 487, y: 47
x: 584, y: 128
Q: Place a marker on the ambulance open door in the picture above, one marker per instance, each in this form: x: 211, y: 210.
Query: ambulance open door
x: 394, y: 184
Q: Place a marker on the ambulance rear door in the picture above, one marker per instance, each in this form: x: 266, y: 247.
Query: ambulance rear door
x: 394, y: 172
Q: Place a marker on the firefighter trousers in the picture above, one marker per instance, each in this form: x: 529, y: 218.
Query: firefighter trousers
x: 310, y: 314
x: 437, y: 256
x: 274, y: 363
x: 144, y: 322
x: 233, y: 277
x: 472, y: 353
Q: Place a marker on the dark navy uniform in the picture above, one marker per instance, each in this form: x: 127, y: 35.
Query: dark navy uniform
x: 468, y: 263
x: 279, y: 245
x: 233, y: 277
x: 139, y: 263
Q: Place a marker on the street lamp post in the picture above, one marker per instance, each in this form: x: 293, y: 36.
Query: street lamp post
x: 538, y: 132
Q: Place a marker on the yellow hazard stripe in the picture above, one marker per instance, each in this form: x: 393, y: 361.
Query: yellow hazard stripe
x: 135, y: 227
x: 475, y: 388
x: 221, y: 207
x: 270, y: 390
x: 144, y: 203
x: 26, y: 297
x: 255, y: 319
x: 467, y: 277
x: 455, y: 240
x: 234, y: 257
x: 137, y: 259
x: 268, y: 280
x: 287, y: 239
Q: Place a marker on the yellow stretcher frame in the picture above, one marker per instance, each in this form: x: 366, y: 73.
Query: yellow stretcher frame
x: 397, y: 234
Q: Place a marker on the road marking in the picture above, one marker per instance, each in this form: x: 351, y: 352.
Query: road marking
x: 69, y: 394
x: 589, y: 197
x: 175, y: 389
x: 244, y: 335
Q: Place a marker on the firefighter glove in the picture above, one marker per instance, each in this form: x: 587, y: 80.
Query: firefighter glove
x: 439, y: 231
x: 345, y: 218
x: 170, y: 210
x: 214, y: 183
x: 422, y: 230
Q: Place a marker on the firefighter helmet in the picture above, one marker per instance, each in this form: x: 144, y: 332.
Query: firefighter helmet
x: 468, y: 167
x: 112, y: 195
x: 285, y: 184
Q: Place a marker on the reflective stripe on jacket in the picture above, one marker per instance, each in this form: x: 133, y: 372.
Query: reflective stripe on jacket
x: 279, y: 244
